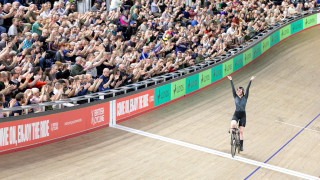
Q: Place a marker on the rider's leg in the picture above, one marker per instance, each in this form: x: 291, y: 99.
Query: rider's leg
x: 242, y: 124
x: 241, y: 132
x: 234, y: 120
x: 233, y: 123
x: 241, y: 137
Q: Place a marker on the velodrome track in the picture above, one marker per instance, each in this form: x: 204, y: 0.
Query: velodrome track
x: 188, y: 139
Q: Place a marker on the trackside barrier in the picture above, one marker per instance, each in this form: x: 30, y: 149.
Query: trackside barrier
x: 122, y: 103
x: 32, y: 131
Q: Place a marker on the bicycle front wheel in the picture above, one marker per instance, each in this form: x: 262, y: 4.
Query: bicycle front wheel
x: 233, y: 144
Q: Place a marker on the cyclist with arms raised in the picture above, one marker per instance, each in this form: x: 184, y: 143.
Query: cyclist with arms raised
x: 240, y: 98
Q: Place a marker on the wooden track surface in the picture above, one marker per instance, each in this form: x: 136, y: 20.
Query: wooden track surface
x: 283, y: 99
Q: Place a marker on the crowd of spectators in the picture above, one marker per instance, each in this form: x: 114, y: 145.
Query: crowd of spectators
x: 51, y: 52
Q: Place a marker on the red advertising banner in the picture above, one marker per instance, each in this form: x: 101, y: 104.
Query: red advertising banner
x: 28, y: 132
x: 134, y: 104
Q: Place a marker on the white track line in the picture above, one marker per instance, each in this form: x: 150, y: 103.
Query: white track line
x: 218, y: 153
x: 297, y: 126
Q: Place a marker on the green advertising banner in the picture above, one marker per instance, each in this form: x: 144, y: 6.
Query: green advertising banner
x: 204, y: 78
x: 256, y: 51
x: 274, y: 38
x: 237, y: 62
x: 285, y: 32
x: 265, y: 44
x: 192, y: 83
x: 309, y: 21
x: 247, y: 56
x: 216, y: 73
x: 178, y: 89
x: 162, y: 94
x: 297, y: 26
x: 227, y: 68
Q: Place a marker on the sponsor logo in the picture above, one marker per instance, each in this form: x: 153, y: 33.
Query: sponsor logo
x: 162, y: 94
x: 178, y: 89
x: 159, y: 95
x: 247, y: 56
x: 133, y: 104
x: 55, y: 126
x: 205, y: 78
x: 296, y: 26
x: 192, y: 83
x: 237, y: 63
x: 274, y: 37
x: 97, y: 116
x: 73, y: 122
x: 256, y: 51
x: 265, y: 44
x: 285, y: 32
x: 310, y: 21
x: 227, y: 67
x: 14, y: 135
x: 216, y: 72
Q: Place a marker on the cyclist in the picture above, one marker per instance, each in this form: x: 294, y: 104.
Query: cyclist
x: 240, y: 98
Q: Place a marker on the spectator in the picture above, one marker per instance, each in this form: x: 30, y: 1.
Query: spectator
x: 31, y: 17
x: 2, y: 17
x: 78, y: 69
x: 27, y: 42
x: 36, y: 98
x: 2, y: 114
x: 155, y: 9
x: 8, y: 13
x: 251, y: 30
x: 19, y: 101
x: 231, y: 29
x: 69, y: 53
x: 115, y: 4
x: 13, y: 30
x: 105, y: 80
x: 37, y: 26
x: 144, y: 53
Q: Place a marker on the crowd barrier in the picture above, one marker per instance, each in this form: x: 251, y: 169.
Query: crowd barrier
x: 22, y: 132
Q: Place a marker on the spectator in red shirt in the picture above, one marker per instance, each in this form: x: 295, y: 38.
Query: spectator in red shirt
x: 192, y: 13
x: 236, y: 19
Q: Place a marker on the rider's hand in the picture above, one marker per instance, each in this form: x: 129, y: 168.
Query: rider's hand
x: 230, y: 78
x: 252, y: 78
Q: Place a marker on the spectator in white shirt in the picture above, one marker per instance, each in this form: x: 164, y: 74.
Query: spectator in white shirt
x: 115, y: 4
x: 13, y: 30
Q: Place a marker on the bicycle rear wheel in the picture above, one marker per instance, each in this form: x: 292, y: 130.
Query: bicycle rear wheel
x: 233, y: 144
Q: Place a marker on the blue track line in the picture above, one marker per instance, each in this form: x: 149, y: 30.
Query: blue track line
x: 282, y: 147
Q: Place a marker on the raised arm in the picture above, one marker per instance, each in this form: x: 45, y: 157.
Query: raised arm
x: 248, y: 87
x: 232, y: 86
